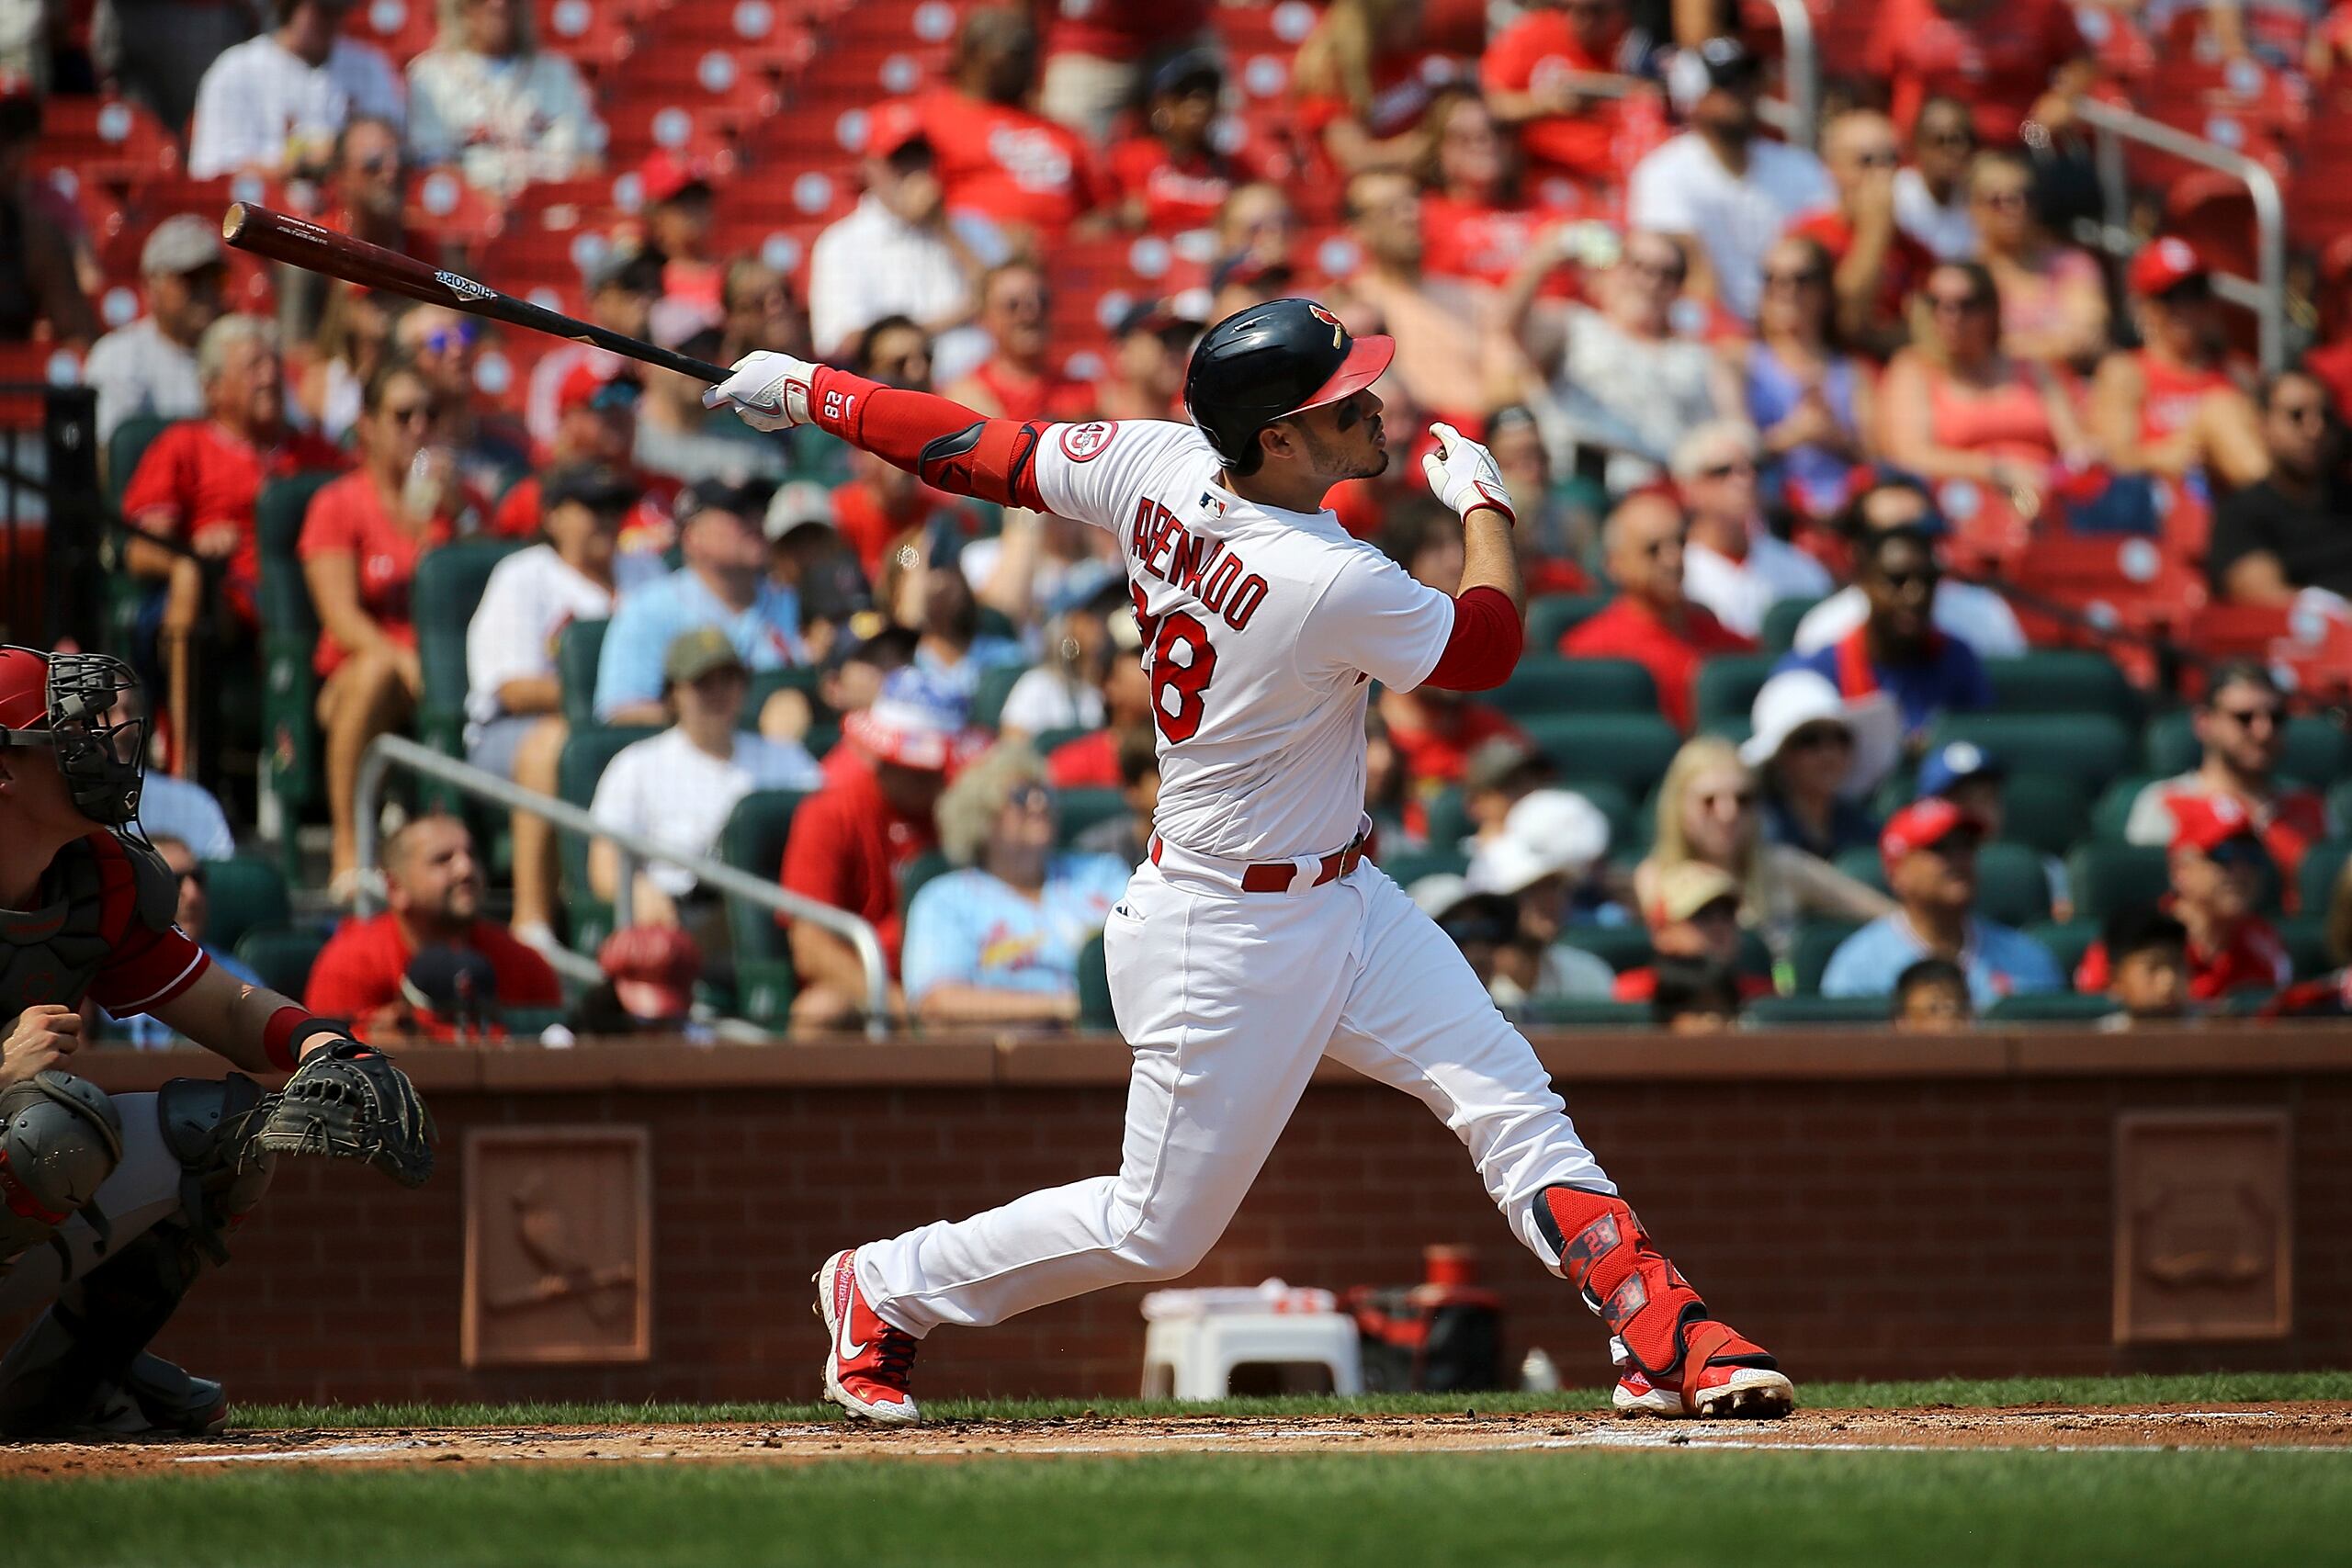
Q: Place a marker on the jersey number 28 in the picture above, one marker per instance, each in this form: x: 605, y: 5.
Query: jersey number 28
x: 1179, y: 681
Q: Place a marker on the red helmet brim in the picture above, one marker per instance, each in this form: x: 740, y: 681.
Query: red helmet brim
x: 1367, y: 359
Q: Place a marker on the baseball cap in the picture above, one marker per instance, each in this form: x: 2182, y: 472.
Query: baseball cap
x: 600, y: 487
x: 2164, y: 265
x: 1189, y: 68
x: 1922, y: 825
x: 2206, y: 822
x: 1718, y: 62
x: 449, y: 982
x: 917, y: 722
x: 891, y: 128
x: 652, y: 969
x: 1492, y: 761
x: 1796, y: 698
x: 182, y: 242
x: 1687, y: 886
x: 1956, y: 762
x: 802, y: 503
x: 625, y: 267
x: 666, y: 175
x: 698, y: 652
x: 592, y: 386
x: 1545, y: 832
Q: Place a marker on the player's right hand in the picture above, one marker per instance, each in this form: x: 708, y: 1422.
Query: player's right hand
x: 1464, y: 475
x: 44, y: 1036
x: 767, y: 391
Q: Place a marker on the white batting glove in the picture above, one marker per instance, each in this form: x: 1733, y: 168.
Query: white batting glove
x: 1463, y: 475
x: 767, y: 391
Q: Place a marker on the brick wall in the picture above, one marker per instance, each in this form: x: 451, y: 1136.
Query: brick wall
x: 1863, y: 1213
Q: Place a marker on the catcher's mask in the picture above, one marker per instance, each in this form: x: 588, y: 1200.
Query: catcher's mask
x: 62, y: 701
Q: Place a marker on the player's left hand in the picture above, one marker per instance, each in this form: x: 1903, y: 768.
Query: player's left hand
x: 767, y: 391
x: 347, y: 1101
x: 1463, y: 474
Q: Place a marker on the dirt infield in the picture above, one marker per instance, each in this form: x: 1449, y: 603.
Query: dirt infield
x: 2282, y: 1425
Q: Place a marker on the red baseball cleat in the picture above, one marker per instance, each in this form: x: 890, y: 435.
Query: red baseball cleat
x: 867, y: 1360
x: 1737, y: 1389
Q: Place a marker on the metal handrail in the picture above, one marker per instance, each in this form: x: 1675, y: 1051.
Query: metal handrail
x: 387, y: 750
x: 2264, y: 295
x: 1800, y: 76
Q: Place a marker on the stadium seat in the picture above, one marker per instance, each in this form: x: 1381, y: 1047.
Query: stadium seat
x: 1094, y: 986
x: 2339, y: 804
x: 127, y: 445
x: 2109, y: 877
x: 1579, y: 1012
x: 2053, y: 1007
x: 1552, y: 617
x: 2066, y: 940
x: 1629, y: 750
x: 586, y: 755
x: 753, y: 843
x: 1550, y: 683
x: 2061, y: 681
x: 1445, y: 818
x: 996, y: 686
x: 1779, y: 630
x: 245, y: 893
x: 1406, y: 866
x: 919, y: 870
x: 2322, y: 869
x: 2314, y: 754
x: 1079, y: 809
x: 2305, y: 939
x: 1620, y: 947
x: 1772, y: 1011
x: 2094, y: 748
x: 448, y: 590
x: 576, y: 652
x: 2113, y: 812
x: 282, y: 956
x: 527, y: 1024
x: 2012, y: 884
x: 2049, y: 811
x: 1724, y: 693
x: 1629, y: 825
x: 292, y: 764
x: 1864, y: 865
x: 1809, y: 954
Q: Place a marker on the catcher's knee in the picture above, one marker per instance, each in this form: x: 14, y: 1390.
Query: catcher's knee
x: 60, y: 1137
x: 209, y: 1126
x: 1602, y: 1250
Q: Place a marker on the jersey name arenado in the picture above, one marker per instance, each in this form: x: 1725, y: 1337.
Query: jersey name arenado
x: 1262, y: 630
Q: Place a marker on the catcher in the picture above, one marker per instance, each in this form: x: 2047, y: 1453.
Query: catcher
x: 112, y: 1205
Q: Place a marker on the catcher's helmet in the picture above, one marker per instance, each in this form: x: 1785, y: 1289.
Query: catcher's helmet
x: 1270, y: 361
x: 62, y: 701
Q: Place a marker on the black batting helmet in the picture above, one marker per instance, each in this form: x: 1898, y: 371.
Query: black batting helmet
x: 1271, y: 361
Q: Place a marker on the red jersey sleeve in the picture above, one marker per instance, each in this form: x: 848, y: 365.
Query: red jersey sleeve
x: 330, y: 525
x: 818, y: 855
x: 146, y: 966
x: 160, y: 483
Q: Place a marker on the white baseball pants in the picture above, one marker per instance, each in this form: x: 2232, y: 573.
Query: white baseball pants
x: 1228, y: 1000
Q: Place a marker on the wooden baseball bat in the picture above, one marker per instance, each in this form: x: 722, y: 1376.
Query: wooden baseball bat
x: 299, y: 242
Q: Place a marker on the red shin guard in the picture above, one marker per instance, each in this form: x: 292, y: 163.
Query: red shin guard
x: 1643, y: 1298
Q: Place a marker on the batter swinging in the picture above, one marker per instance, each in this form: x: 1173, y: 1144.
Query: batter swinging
x: 1256, y: 940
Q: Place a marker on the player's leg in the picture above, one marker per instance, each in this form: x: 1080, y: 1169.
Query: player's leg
x: 1226, y: 1001
x: 1417, y: 1019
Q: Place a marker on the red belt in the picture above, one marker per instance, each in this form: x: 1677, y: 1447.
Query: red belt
x: 1276, y: 876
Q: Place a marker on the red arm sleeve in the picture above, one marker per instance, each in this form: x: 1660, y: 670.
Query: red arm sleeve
x: 949, y: 447
x: 1485, y: 646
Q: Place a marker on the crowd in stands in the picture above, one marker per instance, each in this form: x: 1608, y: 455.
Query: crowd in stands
x: 1822, y: 715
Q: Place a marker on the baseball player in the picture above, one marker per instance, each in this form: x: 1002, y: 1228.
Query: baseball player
x: 1256, y: 938
x: 113, y: 1205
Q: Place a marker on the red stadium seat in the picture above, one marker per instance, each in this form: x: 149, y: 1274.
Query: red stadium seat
x: 111, y: 139
x: 401, y: 28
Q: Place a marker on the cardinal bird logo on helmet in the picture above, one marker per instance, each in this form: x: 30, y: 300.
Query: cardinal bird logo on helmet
x: 1339, y: 332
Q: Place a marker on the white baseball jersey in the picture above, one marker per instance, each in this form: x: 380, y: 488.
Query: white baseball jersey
x: 1261, y: 629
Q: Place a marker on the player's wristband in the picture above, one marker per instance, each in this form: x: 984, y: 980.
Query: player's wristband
x: 289, y: 1029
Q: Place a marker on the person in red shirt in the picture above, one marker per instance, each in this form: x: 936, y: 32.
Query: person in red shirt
x: 596, y: 423
x: 359, y: 547
x: 1877, y: 264
x: 1174, y: 178
x: 1018, y: 380
x: 1475, y: 224
x: 1532, y: 71
x: 2013, y: 60
x: 852, y: 839
x: 1364, y: 81
x: 2171, y: 407
x: 2242, y: 725
x: 881, y: 506
x: 680, y: 208
x: 1148, y: 351
x: 1650, y: 620
x: 432, y: 890
x: 2217, y: 865
x: 1093, y: 55
x: 997, y: 157
x: 1693, y: 915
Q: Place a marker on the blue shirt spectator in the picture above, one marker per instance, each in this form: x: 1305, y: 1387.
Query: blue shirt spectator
x: 1929, y: 849
x: 1897, y: 648
x: 724, y: 583
x: 1998, y: 960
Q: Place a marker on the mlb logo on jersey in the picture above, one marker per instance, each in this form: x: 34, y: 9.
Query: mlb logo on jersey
x: 1084, y: 442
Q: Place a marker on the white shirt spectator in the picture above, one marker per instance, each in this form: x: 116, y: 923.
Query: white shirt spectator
x: 260, y: 97
x: 137, y: 370
x: 1975, y: 614
x: 874, y: 263
x: 1641, y: 395
x: 173, y: 807
x: 1944, y: 227
x: 1740, y: 592
x: 531, y: 596
x: 1048, y: 699
x: 504, y: 121
x: 679, y: 795
x: 1682, y: 189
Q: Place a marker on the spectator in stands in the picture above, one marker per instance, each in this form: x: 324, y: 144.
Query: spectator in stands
x: 197, y: 483
x: 1693, y: 918
x: 867, y: 650
x: 2330, y: 356
x: 148, y: 367
x: 1451, y: 361
x: 596, y: 423
x: 432, y: 883
x: 1244, y: 280
x: 2242, y: 725
x: 487, y: 99
x: 1434, y: 730
x: 2217, y: 864
x: 1496, y: 776
x: 1876, y: 266
x: 1095, y: 52
x: 852, y: 839
x: 2052, y: 295
x: 1819, y: 756
x: 894, y: 351
x: 1547, y: 848
x: 2171, y: 408
x: 1064, y: 692
x: 144, y: 1031
x: 1092, y: 761
x: 1973, y: 779
x: 895, y: 254
x: 1721, y: 190
x: 493, y: 450
x: 1397, y: 818
x: 623, y: 284
x: 2328, y: 994
x: 274, y: 104
x: 1125, y: 836
x: 1018, y: 380
x: 1651, y: 621
x: 1931, y: 997
x: 1707, y: 812
x: 360, y: 544
x: 1257, y: 221
x: 171, y: 807
x: 1701, y: 997
x: 38, y: 275
x: 1811, y: 401
x: 1897, y: 648
x: 355, y: 333
x: 370, y: 183
x: 1149, y: 349
x: 1476, y: 222
x: 1627, y: 380
x: 723, y: 584
x: 807, y: 559
x: 998, y: 941
x: 1929, y: 850
x: 156, y: 51
x: 1732, y: 562
x: 997, y: 158
x: 681, y: 440
x: 1558, y: 535
x: 1175, y: 178
x: 679, y: 787
x: 1482, y: 926
x: 1956, y: 405
x: 1969, y: 612
x: 883, y: 508
x: 1931, y: 191
x: 2293, y: 530
x: 681, y: 207
x: 760, y: 310
x: 1535, y: 72
x: 2013, y: 62
x: 2144, y: 964
x: 950, y: 647
x: 514, y: 725
x: 1363, y: 80
x: 647, y: 988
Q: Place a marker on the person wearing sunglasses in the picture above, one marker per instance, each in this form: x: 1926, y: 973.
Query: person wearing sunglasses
x: 2172, y: 408
x: 1819, y: 756
x: 1930, y: 851
x: 1897, y: 648
x: 1930, y: 194
x: 2216, y: 868
x: 1733, y: 562
x: 2242, y: 726
x: 2274, y: 539
x: 1876, y: 264
x: 492, y: 449
x: 2054, y: 296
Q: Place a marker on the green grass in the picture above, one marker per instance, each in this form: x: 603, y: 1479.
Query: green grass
x: 1585, y: 1509
x: 2215, y: 1388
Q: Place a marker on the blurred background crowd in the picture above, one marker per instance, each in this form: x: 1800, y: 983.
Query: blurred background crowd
x: 1938, y: 576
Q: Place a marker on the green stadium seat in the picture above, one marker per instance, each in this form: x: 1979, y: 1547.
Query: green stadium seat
x: 1809, y: 953
x: 2012, y: 883
x: 1094, y: 986
x: 1724, y: 693
x: 1771, y: 1012
x: 2339, y: 805
x: 449, y: 589
x: 1629, y: 750
x: 293, y: 765
x: 127, y: 445
x: 2315, y: 750
x: 2094, y: 748
x: 577, y: 649
x: 1620, y: 947
x: 585, y: 754
x: 2113, y: 812
x: 919, y: 870
x: 996, y: 684
x: 282, y: 956
x: 1779, y: 629
x: 1406, y: 866
x: 1629, y: 825
x: 2061, y: 681
x: 2049, y: 811
x: 1446, y: 816
x: 2066, y: 940
x: 1552, y: 617
x: 763, y: 991
x: 528, y: 1023
x: 2051, y: 1006
x: 2316, y: 877
x: 2305, y: 938
x: 245, y: 893
x: 1577, y: 1013
x: 1046, y: 741
x: 753, y: 843
x: 1546, y: 683
x: 1078, y: 810
x: 2109, y: 877
x: 1863, y: 864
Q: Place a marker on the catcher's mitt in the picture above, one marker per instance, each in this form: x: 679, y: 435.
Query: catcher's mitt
x: 347, y: 1101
